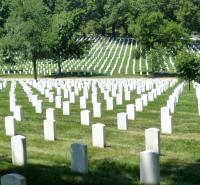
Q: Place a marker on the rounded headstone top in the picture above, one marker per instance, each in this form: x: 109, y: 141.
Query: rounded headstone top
x: 19, y: 137
x: 98, y: 124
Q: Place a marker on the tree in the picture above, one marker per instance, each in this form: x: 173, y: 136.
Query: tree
x: 148, y: 29
x: 4, y: 13
x: 111, y: 15
x: 118, y: 14
x: 189, y: 15
x: 174, y: 37
x: 188, y: 66
x: 154, y: 32
x: 156, y: 55
x: 93, y: 26
x: 95, y: 15
x: 63, y: 36
x: 167, y: 7
x: 26, y: 30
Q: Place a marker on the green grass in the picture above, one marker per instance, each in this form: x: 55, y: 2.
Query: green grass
x: 118, y: 163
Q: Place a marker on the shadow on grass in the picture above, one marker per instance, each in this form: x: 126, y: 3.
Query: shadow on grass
x: 180, y: 173
x: 156, y: 75
x: 163, y: 75
x: 104, y: 172
x: 107, y: 172
x: 76, y: 74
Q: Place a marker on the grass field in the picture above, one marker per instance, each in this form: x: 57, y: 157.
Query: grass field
x: 118, y: 163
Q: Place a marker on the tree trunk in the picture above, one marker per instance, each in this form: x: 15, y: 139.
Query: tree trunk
x: 126, y: 30
x: 34, y: 68
x: 153, y: 71
x: 189, y: 85
x: 113, y: 31
x: 103, y: 31
x: 59, y: 67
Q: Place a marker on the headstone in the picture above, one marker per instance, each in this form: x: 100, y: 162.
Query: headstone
x: 127, y: 95
x: 34, y: 99
x: 50, y: 114
x: 164, y: 112
x: 51, y: 97
x: 12, y: 104
x: 66, y: 93
x: 139, y: 90
x: 114, y: 92
x: 130, y: 111
x: 66, y: 108
x: 98, y: 135
x: 94, y: 97
x: 154, y: 93
x: 49, y: 130
x: 122, y: 121
x: 166, y: 125
x: 85, y: 92
x: 150, y: 96
x: 10, y: 126
x: 18, y: 146
x: 171, y: 105
x: 149, y: 167
x: 38, y: 107
x: 109, y: 103
x: 85, y: 117
x: 97, y: 110
x: 72, y: 97
x: 83, y: 102
x: 13, y: 179
x: 18, y: 113
x: 138, y: 105
x: 58, y: 101
x: 106, y: 95
x: 144, y: 99
x: 152, y: 139
x: 59, y: 92
x: 79, y: 158
x: 119, y: 99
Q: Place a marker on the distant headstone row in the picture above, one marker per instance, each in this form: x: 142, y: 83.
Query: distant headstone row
x: 106, y: 56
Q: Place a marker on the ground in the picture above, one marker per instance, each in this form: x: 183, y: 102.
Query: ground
x: 118, y: 163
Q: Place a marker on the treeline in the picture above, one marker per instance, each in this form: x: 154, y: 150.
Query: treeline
x: 115, y: 17
x: 38, y: 29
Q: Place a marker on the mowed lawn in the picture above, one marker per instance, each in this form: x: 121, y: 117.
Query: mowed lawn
x: 118, y: 163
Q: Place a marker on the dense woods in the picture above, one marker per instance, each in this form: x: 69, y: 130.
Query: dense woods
x: 35, y: 29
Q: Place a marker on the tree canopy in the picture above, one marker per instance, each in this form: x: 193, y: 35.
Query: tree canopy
x: 188, y: 66
x: 36, y: 29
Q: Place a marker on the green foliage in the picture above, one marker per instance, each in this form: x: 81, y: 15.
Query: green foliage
x: 174, y: 37
x: 156, y: 58
x: 189, y: 15
x: 93, y: 26
x: 148, y: 29
x: 64, y: 32
x: 32, y: 25
x: 188, y: 65
x: 152, y: 30
x: 4, y: 11
x: 48, y: 29
x: 167, y: 7
x: 159, y: 37
x: 118, y: 14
